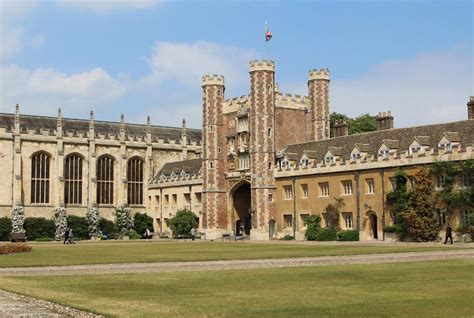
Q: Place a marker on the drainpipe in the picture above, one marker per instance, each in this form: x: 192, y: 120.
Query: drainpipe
x: 161, y: 212
x: 358, y: 200
x: 294, y: 208
x: 382, y: 173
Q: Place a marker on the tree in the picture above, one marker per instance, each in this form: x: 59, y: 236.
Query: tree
x: 313, y: 225
x: 360, y: 124
x: 123, y: 220
x: 60, y: 221
x: 93, y: 222
x: 183, y: 222
x: 332, y: 212
x: 421, y: 218
x: 141, y: 222
x: 18, y: 219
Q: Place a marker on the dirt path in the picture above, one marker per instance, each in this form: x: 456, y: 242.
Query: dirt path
x: 235, y: 264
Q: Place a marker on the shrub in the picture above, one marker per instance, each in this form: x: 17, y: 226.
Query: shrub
x: 134, y: 235
x: 348, y: 235
x: 14, y: 248
x: 141, y: 222
x: 79, y: 226
x: 313, y: 225
x: 288, y: 237
x: 107, y: 227
x: 39, y: 227
x: 123, y: 221
x: 18, y: 219
x: 183, y: 222
x: 464, y: 229
x: 327, y: 234
x: 332, y: 212
x: 93, y: 222
x: 392, y: 229
x: 60, y: 221
x: 5, y: 228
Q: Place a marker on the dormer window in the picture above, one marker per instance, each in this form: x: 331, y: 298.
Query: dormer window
x: 355, y: 155
x: 304, y: 162
x: 384, y: 153
x: 414, y: 148
x: 448, y: 146
x: 285, y: 163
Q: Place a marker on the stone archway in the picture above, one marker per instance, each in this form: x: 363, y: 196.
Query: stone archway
x: 241, y: 204
x: 373, y: 225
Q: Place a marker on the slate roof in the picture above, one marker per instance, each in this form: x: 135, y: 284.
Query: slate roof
x: 397, y: 138
x: 191, y: 166
x: 37, y: 123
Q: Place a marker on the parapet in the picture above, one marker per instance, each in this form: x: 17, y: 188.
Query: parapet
x: 321, y: 74
x: 213, y: 80
x: 263, y: 65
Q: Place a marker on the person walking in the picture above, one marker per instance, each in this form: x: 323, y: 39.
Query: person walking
x: 66, y: 236
x: 193, y: 233
x: 449, y: 234
x: 71, y: 236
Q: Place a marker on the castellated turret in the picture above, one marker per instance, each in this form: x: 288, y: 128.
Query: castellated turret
x: 470, y: 108
x: 318, y: 93
x: 262, y: 144
x: 213, y: 168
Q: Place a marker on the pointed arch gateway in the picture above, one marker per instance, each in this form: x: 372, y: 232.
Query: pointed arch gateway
x: 240, y: 199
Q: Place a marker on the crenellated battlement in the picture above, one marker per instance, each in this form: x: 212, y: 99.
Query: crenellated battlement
x: 264, y: 65
x: 236, y: 100
x: 213, y: 80
x: 321, y: 74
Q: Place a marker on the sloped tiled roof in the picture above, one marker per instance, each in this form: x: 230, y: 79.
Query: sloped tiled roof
x: 37, y: 123
x: 191, y: 166
x: 397, y: 138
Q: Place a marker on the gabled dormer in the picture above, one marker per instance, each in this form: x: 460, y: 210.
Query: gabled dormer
x: 333, y: 155
x: 419, y: 145
x: 307, y: 157
x: 449, y: 140
x: 388, y: 147
x: 359, y: 151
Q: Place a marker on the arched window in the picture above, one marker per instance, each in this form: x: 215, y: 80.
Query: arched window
x: 135, y: 181
x: 40, y: 178
x: 73, y: 179
x: 105, y: 180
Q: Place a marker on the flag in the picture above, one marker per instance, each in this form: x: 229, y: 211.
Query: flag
x: 268, y: 34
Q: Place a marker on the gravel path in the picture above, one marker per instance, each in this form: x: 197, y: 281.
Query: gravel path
x: 14, y: 305
x: 235, y: 264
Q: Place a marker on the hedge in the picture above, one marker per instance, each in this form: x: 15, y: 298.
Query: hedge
x: 79, y: 226
x: 107, y: 227
x: 5, y: 229
x: 348, y: 235
x: 141, y: 222
x: 326, y: 234
x: 39, y: 227
x: 14, y: 248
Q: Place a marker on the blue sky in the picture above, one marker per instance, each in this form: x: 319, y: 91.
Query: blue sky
x: 142, y: 57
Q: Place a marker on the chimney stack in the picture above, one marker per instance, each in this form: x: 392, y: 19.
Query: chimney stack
x: 384, y: 120
x: 470, y: 108
x: 341, y: 128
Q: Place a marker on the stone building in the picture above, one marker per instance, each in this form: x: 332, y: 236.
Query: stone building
x: 268, y: 161
x: 50, y: 162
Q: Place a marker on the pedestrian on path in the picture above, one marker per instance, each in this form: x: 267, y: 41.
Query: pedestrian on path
x: 449, y: 234
x: 193, y: 233
x: 71, y: 237
x: 66, y: 236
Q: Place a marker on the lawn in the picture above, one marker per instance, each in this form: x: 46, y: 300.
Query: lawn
x: 141, y: 252
x: 418, y: 289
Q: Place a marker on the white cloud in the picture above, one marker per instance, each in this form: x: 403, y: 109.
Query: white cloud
x: 188, y: 62
x: 427, y: 88
x: 103, y: 6
x: 41, y: 91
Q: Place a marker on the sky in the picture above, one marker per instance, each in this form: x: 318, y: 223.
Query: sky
x: 146, y: 57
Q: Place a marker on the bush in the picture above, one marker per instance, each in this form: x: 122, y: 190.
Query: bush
x: 313, y: 225
x: 327, y: 234
x: 93, y: 222
x: 392, y: 229
x: 464, y: 229
x: 39, y: 227
x: 348, y: 235
x: 123, y: 221
x: 60, y: 221
x: 14, y: 248
x: 134, y: 235
x: 18, y: 219
x: 183, y: 222
x: 5, y: 228
x: 79, y: 226
x: 288, y: 237
x: 141, y: 222
x: 107, y: 227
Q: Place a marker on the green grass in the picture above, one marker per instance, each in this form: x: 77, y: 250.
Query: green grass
x: 418, y: 289
x: 141, y: 252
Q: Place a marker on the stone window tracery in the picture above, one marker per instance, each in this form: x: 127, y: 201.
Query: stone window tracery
x: 105, y: 180
x: 73, y: 179
x: 135, y: 181
x: 40, y: 180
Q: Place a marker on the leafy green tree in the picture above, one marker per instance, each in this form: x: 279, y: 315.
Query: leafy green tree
x: 421, y: 218
x: 399, y: 200
x: 123, y: 220
x: 313, y: 225
x: 141, y: 222
x: 183, y: 222
x: 332, y: 212
x: 360, y: 124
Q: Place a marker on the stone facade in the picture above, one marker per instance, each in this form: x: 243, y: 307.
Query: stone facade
x: 23, y: 136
